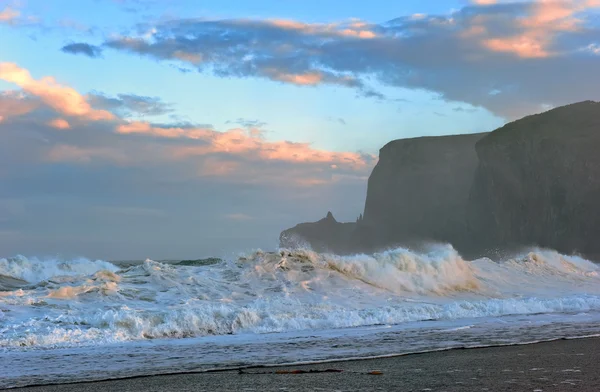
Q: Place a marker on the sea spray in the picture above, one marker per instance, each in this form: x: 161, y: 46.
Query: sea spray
x: 70, y: 303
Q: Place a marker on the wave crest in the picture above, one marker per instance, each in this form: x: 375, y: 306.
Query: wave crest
x: 439, y: 271
x: 34, y: 270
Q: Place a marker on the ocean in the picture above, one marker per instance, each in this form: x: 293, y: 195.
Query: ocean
x: 79, y: 320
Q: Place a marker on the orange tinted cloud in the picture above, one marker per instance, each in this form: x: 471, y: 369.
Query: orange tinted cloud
x: 61, y: 98
x: 305, y: 79
x: 13, y: 104
x: 235, y: 152
x: 212, y: 167
x: 523, y: 46
x: 241, y: 141
x: 538, y: 30
x: 8, y: 14
x: 144, y: 128
x: 59, y: 123
x: 355, y: 29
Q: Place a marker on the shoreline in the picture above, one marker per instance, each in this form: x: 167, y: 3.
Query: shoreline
x: 353, y: 369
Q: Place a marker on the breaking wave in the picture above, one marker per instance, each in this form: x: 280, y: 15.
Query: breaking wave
x: 61, y: 303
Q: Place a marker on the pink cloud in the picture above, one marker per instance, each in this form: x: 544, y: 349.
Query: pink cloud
x: 311, y: 78
x: 305, y: 79
x: 213, y: 167
x: 538, y: 30
x: 61, y: 98
x: 242, y: 141
x: 14, y: 104
x: 59, y: 123
x: 144, y: 128
x: 354, y: 29
x: 238, y: 154
x: 8, y: 15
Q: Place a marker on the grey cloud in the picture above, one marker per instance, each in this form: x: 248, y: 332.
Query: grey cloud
x: 464, y: 110
x: 83, y: 48
x: 338, y: 120
x: 130, y: 104
x: 105, y: 204
x: 434, y: 53
x: 242, y: 48
x: 247, y: 123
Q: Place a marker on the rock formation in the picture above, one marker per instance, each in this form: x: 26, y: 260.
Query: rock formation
x: 533, y: 182
x: 326, y: 235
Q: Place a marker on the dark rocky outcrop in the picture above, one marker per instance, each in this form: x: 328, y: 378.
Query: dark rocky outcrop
x: 326, y: 235
x: 533, y: 182
x: 538, y: 182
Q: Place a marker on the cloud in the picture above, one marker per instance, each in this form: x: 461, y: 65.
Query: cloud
x: 85, y: 155
x: 249, y: 143
x: 14, y: 104
x: 83, y: 48
x: 534, y: 33
x: 127, y: 105
x: 98, y: 137
x: 338, y: 120
x: 247, y: 123
x: 8, y: 15
x: 512, y: 47
x: 59, y: 123
x: 63, y: 99
x: 14, y: 18
x: 183, y: 180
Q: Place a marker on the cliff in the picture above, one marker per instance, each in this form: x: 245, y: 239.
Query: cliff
x: 533, y: 182
x: 419, y: 190
x: 538, y: 182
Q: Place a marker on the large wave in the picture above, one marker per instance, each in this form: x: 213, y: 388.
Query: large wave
x: 85, y: 302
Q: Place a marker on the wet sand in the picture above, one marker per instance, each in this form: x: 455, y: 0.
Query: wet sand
x: 564, y: 365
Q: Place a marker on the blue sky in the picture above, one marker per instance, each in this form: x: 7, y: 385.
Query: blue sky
x: 254, y: 115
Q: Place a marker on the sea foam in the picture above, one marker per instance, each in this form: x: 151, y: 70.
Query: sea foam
x: 85, y: 303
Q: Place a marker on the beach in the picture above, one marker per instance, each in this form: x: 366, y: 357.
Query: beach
x: 562, y: 365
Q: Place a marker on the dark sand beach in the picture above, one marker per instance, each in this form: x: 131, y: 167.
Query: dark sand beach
x: 564, y: 365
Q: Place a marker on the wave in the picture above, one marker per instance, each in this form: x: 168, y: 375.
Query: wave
x: 60, y: 303
x: 34, y: 270
x: 439, y: 271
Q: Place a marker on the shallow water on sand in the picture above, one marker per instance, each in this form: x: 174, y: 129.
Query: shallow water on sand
x: 73, y: 320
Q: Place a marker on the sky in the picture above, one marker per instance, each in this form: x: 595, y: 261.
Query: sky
x: 134, y: 129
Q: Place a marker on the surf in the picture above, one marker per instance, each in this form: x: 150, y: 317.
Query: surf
x: 55, y: 303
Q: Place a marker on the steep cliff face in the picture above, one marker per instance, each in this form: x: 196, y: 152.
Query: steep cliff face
x: 419, y: 190
x: 538, y: 182
x: 533, y: 182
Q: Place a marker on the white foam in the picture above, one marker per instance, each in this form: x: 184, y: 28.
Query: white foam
x: 34, y: 270
x: 83, y: 302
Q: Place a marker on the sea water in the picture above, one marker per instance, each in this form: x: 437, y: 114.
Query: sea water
x: 76, y: 320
